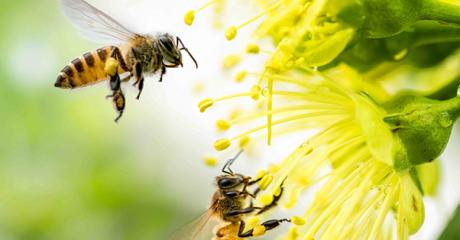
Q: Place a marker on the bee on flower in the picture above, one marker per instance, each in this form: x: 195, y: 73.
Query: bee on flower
x: 369, y: 163
x: 365, y: 157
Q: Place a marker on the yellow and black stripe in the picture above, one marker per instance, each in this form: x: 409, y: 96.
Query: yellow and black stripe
x: 85, y: 70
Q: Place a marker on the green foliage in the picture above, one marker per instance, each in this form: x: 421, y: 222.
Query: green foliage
x: 67, y: 171
x: 452, y: 230
x: 421, y: 127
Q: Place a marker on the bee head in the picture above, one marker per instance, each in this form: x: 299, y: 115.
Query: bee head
x: 169, y: 49
x: 226, y: 182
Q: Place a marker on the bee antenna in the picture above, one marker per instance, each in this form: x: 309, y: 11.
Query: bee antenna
x: 178, y: 40
x: 226, y: 169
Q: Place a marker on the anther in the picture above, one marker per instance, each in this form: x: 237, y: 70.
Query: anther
x: 240, y: 76
x: 274, y: 168
x: 210, y: 161
x: 266, y: 199
x: 252, y: 48
x: 258, y: 230
x: 230, y: 33
x: 253, y: 221
x: 261, y: 174
x: 205, y: 104
x: 222, y: 144
x: 265, y: 182
x: 231, y: 61
x: 244, y: 141
x: 298, y: 220
x: 189, y: 17
x: 255, y: 92
x: 222, y: 125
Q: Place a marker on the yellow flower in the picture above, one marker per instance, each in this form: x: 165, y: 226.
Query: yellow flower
x: 308, y: 30
x: 361, y: 195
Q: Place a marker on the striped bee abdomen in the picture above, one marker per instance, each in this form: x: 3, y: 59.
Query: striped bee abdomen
x: 85, y: 70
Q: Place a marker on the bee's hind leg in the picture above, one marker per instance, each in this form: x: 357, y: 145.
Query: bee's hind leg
x: 111, y: 69
x: 139, y: 78
x: 260, y: 229
x: 117, y: 96
x: 119, y: 103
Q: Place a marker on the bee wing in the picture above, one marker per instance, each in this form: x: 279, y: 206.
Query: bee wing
x: 94, y: 24
x: 199, y: 229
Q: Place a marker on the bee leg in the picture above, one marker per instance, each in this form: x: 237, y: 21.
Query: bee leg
x: 266, y: 226
x: 163, y: 72
x: 254, y: 195
x: 119, y: 103
x: 139, y: 79
x: 237, y: 212
x: 116, y: 53
x: 178, y: 40
x: 127, y: 78
x: 117, y: 96
x: 115, y: 82
x: 140, y: 86
x: 226, y: 169
x: 276, y: 198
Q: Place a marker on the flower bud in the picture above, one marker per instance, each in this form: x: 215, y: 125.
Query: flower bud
x: 421, y: 128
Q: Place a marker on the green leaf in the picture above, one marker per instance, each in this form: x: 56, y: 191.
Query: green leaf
x: 452, y: 230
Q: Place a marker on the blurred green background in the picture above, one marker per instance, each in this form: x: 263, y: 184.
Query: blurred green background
x: 66, y: 170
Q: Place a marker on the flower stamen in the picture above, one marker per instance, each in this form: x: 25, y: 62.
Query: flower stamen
x: 232, y: 31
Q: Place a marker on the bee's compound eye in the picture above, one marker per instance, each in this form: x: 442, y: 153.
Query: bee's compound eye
x: 226, y: 183
x: 167, y: 43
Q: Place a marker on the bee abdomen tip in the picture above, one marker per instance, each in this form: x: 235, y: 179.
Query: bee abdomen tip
x: 62, y: 82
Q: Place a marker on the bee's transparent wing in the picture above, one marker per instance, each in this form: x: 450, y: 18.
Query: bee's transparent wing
x: 95, y: 24
x: 200, y: 229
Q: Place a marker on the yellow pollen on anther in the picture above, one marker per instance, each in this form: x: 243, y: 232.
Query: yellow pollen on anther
x: 231, y: 61
x: 261, y: 174
x: 222, y: 144
x: 230, y: 33
x: 277, y: 191
x: 255, y: 92
x: 293, y: 234
x: 111, y: 66
x: 222, y: 125
x: 234, y: 114
x: 210, y: 161
x: 274, y: 168
x: 253, y: 221
x: 265, y: 181
x: 189, y: 17
x: 252, y: 48
x: 244, y: 141
x: 298, y: 220
x: 240, y: 76
x: 258, y: 230
x: 205, y: 104
x: 266, y: 199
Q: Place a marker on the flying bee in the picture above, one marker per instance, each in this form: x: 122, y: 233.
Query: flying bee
x: 132, y: 55
x: 228, y: 208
